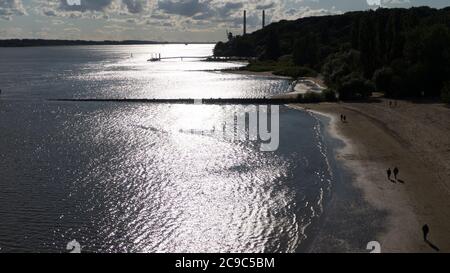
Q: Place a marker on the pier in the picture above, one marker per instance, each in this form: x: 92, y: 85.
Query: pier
x: 218, y: 101
x: 159, y: 58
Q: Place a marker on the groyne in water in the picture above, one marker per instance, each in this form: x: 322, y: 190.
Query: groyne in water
x: 193, y: 101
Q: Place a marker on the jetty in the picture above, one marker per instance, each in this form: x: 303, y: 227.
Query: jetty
x: 157, y: 57
x: 219, y: 101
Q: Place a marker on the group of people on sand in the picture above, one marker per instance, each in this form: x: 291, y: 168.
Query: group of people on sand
x: 394, y: 172
x: 343, y: 118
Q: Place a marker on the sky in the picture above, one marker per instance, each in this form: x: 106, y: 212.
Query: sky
x: 165, y: 20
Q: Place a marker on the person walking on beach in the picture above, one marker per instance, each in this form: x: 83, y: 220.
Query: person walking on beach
x: 426, y: 231
x: 389, y: 173
x: 396, y: 171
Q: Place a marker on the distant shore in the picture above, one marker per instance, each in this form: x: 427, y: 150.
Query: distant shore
x: 45, y: 42
x: 413, y: 137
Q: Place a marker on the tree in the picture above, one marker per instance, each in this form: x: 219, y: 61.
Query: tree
x: 219, y: 49
x: 230, y: 36
x: 355, y: 87
x: 367, y: 46
x: 243, y: 47
x: 435, y: 57
x: 272, y: 48
x: 306, y: 50
x: 382, y: 79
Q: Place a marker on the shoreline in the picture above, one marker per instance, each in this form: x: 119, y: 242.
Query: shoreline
x: 254, y: 73
x: 372, y: 142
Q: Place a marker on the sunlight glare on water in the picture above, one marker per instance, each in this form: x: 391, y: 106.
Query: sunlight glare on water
x: 133, y: 177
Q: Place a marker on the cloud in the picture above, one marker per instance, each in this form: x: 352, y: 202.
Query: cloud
x: 85, y: 8
x: 270, y: 5
x: 187, y: 8
x: 145, y: 17
x: 85, y: 5
x: 9, y: 8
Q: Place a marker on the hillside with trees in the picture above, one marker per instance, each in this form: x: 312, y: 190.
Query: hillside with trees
x: 399, y: 52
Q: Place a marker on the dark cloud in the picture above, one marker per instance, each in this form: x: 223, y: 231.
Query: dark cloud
x: 199, y: 10
x: 187, y: 8
x: 85, y: 5
x: 135, y: 6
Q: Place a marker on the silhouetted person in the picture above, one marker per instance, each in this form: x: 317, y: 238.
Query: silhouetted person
x: 396, y: 173
x: 389, y: 173
x: 426, y: 231
x: 342, y: 117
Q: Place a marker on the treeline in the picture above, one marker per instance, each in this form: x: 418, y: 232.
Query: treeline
x: 43, y: 42
x: 400, y: 52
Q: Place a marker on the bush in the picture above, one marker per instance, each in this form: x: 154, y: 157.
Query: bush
x: 329, y: 95
x: 312, y: 97
x: 382, y: 79
x: 260, y: 66
x: 295, y: 72
x: 445, y: 93
x: 355, y: 88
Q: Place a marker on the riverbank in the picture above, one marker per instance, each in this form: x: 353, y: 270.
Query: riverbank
x: 412, y: 137
x: 252, y: 73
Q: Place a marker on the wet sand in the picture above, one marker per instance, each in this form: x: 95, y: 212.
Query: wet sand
x: 416, y: 139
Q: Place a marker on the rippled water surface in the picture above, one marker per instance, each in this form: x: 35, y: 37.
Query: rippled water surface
x: 123, y: 72
x: 129, y: 177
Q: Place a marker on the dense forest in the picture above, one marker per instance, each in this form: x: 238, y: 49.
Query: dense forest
x: 400, y: 52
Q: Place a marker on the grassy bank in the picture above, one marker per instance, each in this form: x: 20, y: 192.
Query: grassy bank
x: 282, y: 67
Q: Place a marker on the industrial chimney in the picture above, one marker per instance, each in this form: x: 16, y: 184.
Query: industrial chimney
x: 245, y: 22
x: 263, y: 19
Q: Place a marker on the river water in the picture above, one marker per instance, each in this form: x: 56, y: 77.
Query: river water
x: 136, y: 177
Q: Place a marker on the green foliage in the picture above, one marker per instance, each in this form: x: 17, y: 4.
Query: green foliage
x: 355, y: 87
x: 339, y: 65
x: 329, y: 95
x: 283, y: 67
x: 312, y: 97
x: 306, y: 50
x: 383, y: 80
x: 406, y: 52
x: 367, y: 45
x: 272, y: 47
x: 219, y: 49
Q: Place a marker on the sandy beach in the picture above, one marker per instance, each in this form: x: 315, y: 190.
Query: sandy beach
x: 413, y: 137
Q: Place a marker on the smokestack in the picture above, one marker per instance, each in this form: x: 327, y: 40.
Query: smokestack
x: 264, y: 19
x: 245, y: 22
